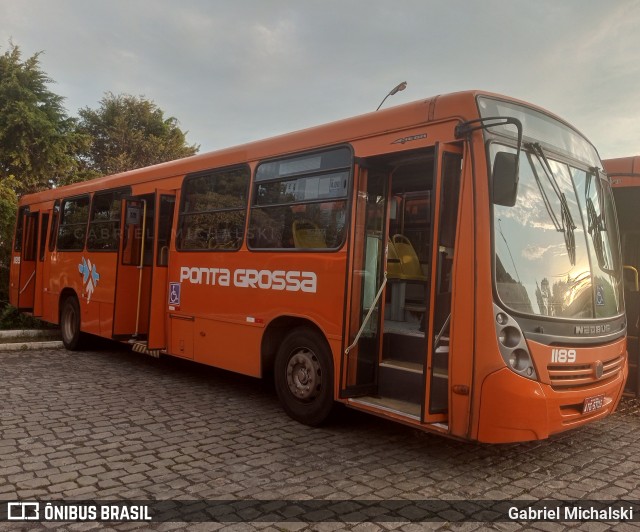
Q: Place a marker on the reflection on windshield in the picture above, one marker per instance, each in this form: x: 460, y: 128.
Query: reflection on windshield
x: 597, y: 207
x: 564, y: 220
x: 546, y: 263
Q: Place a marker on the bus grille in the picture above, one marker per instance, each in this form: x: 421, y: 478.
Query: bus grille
x: 575, y: 376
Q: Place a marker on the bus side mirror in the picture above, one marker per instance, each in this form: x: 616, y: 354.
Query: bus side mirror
x: 505, y: 179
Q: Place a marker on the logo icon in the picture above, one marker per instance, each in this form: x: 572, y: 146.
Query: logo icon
x: 23, y: 511
x: 411, y: 138
x: 90, y: 277
x: 599, y: 369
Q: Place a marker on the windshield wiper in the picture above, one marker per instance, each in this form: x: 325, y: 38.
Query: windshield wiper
x: 596, y: 222
x: 566, y: 224
x: 595, y: 172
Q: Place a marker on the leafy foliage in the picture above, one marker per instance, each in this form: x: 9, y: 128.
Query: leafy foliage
x: 42, y: 147
x: 12, y: 318
x: 38, y: 140
x: 129, y: 132
x: 8, y: 207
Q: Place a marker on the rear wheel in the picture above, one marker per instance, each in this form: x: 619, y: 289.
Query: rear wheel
x: 304, y: 376
x: 70, y: 324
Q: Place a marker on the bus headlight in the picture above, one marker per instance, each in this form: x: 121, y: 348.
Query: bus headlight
x: 519, y: 360
x: 509, y: 336
x: 513, y: 347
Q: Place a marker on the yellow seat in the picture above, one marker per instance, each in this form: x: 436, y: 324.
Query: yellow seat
x: 308, y: 235
x: 411, y: 269
x: 394, y: 266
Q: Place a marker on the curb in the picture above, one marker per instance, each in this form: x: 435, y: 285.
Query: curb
x: 31, y: 346
x: 28, y: 333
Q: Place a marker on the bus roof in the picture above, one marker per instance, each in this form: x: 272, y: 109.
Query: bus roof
x: 623, y: 171
x: 460, y: 105
x: 623, y: 166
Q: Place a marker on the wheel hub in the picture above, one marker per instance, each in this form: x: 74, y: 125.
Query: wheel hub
x: 304, y: 374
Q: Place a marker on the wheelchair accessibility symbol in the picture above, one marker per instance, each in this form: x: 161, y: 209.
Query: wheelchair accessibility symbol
x: 599, y: 295
x: 174, y: 294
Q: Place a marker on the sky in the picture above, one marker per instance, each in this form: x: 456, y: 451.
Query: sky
x: 233, y: 71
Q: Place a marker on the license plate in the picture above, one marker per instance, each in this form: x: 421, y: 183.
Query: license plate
x: 591, y: 404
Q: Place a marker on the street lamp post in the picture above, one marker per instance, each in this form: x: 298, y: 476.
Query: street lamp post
x: 399, y: 87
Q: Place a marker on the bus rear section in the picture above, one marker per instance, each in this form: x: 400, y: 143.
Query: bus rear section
x: 624, y: 174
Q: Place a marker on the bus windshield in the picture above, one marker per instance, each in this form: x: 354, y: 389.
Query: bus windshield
x: 556, y: 248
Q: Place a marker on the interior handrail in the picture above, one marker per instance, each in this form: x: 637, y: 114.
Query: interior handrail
x: 436, y: 342
x: 28, y: 281
x: 366, y: 318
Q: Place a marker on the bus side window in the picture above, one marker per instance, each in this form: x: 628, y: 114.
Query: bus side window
x: 213, y: 210
x: 165, y: 223
x: 300, y: 202
x: 53, y: 231
x: 73, y: 223
x: 104, y: 222
x: 44, y: 225
x: 31, y: 237
x: 20, y: 228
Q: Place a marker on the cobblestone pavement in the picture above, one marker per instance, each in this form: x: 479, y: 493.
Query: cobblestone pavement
x: 110, y: 424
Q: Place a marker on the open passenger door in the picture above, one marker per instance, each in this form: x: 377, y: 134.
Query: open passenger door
x: 141, y: 279
x: 447, y: 191
x: 397, y: 353
x: 160, y: 297
x: 41, y: 263
x: 25, y: 293
x: 360, y: 364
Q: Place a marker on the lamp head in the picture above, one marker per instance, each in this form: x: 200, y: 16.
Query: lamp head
x: 399, y: 87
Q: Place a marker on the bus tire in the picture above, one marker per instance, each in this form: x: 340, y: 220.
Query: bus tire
x: 70, y: 324
x: 304, y: 376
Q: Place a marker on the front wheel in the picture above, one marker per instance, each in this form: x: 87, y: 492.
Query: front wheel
x: 70, y: 324
x: 304, y: 376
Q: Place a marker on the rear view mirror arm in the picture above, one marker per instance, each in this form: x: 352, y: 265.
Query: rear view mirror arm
x: 465, y: 129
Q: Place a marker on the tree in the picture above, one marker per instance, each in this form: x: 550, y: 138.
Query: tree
x: 8, y: 208
x: 37, y: 138
x: 129, y: 132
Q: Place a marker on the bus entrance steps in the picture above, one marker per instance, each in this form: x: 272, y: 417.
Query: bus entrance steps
x: 402, y: 380
x: 396, y: 406
x: 141, y: 347
x: 401, y: 371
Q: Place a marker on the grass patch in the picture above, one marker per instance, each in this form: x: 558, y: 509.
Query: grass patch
x: 12, y: 318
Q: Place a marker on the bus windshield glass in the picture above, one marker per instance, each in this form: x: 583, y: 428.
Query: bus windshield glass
x: 556, y: 249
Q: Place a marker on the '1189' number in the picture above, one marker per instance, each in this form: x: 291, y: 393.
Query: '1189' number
x: 563, y: 355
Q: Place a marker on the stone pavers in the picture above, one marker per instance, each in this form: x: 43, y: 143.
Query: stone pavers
x: 110, y: 424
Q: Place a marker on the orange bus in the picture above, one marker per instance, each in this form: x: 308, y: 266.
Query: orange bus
x: 624, y: 174
x: 429, y: 263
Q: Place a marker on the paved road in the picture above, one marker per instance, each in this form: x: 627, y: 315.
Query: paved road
x: 110, y: 424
